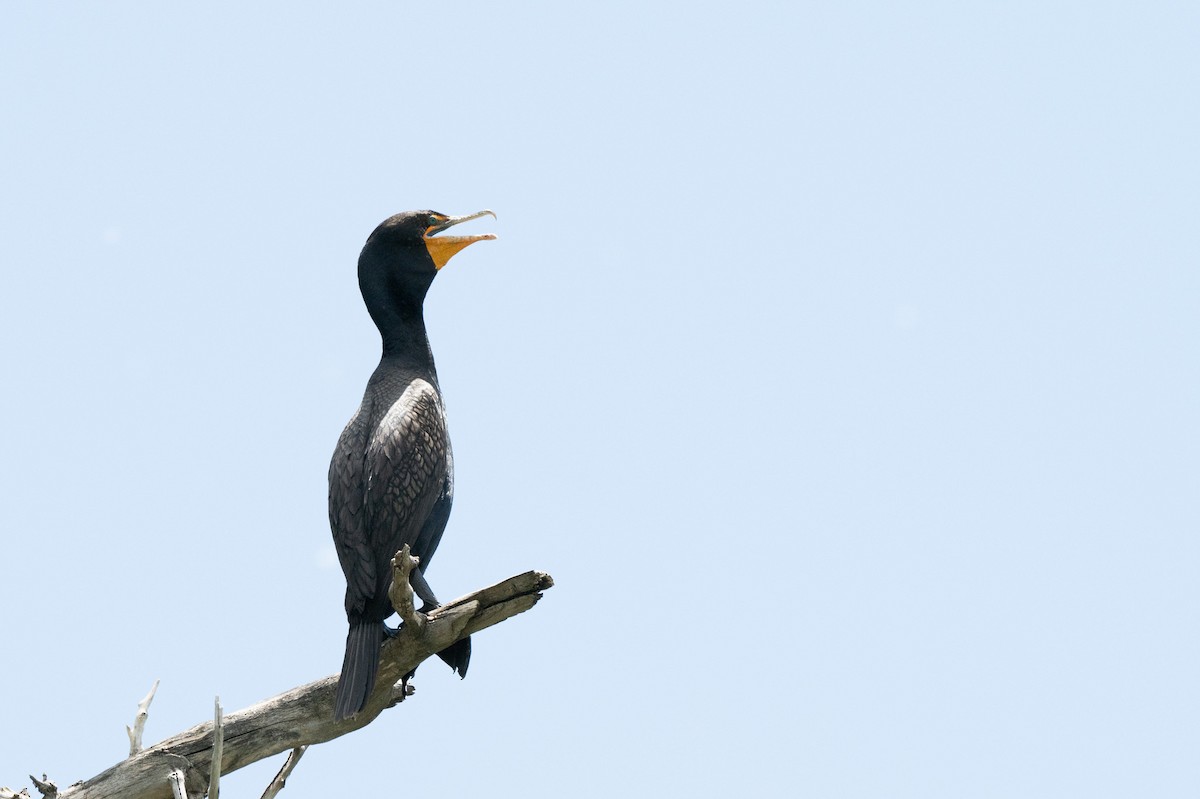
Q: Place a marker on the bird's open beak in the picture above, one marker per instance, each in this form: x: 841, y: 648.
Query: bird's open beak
x: 443, y: 248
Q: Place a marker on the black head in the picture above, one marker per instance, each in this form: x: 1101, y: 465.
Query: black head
x: 409, y: 241
x: 400, y: 259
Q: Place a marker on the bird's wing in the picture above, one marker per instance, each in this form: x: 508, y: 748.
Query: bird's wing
x: 431, y: 532
x: 347, y: 512
x: 407, y: 458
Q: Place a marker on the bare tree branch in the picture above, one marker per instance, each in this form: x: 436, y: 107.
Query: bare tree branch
x: 304, y: 715
x: 214, y: 771
x: 280, y: 780
x: 45, y: 787
x: 177, y: 779
x: 401, y: 594
x: 139, y: 721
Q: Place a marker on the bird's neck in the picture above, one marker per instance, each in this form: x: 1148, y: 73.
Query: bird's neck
x: 405, y: 342
x: 395, y: 298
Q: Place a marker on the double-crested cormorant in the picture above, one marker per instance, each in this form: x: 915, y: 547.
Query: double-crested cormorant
x: 391, y: 479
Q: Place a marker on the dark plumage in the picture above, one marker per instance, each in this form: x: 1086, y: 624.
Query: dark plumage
x: 391, y: 479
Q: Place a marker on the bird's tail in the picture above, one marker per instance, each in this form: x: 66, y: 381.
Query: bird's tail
x: 358, y: 667
x: 458, y: 656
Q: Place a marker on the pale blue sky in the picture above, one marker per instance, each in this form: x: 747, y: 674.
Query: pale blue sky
x: 838, y: 360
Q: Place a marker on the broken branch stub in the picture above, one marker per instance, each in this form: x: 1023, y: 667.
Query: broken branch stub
x: 139, y: 721
x: 401, y: 594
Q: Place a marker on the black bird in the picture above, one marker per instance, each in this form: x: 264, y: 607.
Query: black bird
x: 391, y: 479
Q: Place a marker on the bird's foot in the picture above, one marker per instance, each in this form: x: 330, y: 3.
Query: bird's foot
x: 402, y: 691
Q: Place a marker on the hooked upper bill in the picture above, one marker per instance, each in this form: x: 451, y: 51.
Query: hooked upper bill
x: 443, y: 248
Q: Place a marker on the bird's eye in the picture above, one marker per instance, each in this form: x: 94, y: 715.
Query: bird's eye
x: 433, y: 220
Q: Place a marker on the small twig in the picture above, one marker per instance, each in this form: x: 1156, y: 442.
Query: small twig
x: 139, y: 722
x: 47, y: 788
x: 281, y: 778
x: 178, y: 780
x: 401, y: 594
x: 214, y: 779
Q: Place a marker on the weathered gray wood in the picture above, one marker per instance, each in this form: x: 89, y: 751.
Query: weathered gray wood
x: 400, y: 592
x: 214, y: 768
x: 45, y: 786
x: 304, y: 715
x: 177, y: 779
x: 280, y: 780
x: 139, y: 721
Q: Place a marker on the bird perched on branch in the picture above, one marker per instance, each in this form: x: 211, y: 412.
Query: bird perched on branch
x: 391, y: 479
